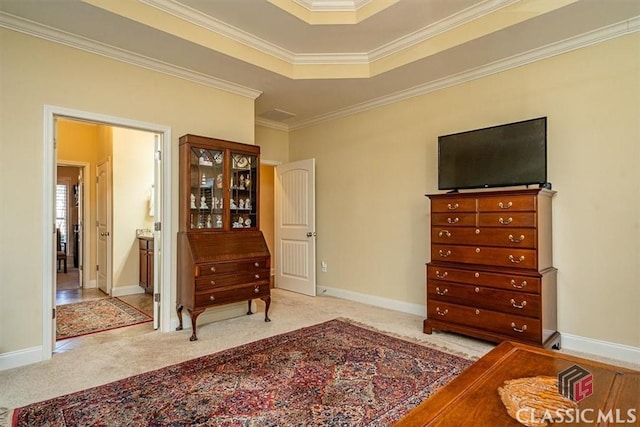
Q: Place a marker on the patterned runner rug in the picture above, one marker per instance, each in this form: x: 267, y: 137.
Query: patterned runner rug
x: 88, y: 317
x: 331, y: 374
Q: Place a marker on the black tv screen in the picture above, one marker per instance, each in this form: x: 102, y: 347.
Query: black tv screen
x: 497, y: 156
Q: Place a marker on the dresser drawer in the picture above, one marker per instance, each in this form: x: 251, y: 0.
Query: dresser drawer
x: 454, y: 219
x: 232, y: 267
x: 466, y: 204
x: 501, y: 257
x: 506, y: 203
x: 514, y: 302
x: 507, y: 219
x: 231, y: 294
x: 513, y: 282
x: 520, y: 327
x: 221, y: 280
x: 488, y: 236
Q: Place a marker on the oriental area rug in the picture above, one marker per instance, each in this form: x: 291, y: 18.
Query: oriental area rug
x: 88, y: 317
x: 331, y: 374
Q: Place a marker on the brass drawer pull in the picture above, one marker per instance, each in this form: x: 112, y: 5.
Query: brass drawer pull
x: 213, y: 269
x: 256, y: 290
x: 442, y: 313
x: 503, y: 206
x: 518, y: 286
x: 516, y: 239
x: 257, y: 264
x: 445, y: 233
x: 257, y: 276
x: 515, y: 328
x: 441, y: 276
x: 505, y: 221
x: 516, y: 261
x: 212, y: 298
x: 453, y: 207
x: 213, y: 282
x: 439, y: 292
x: 444, y: 254
x: 477, y: 290
x: 477, y: 250
x: 453, y: 220
x: 513, y: 303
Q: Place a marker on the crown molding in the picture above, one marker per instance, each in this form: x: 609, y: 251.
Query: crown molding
x: 534, y: 55
x: 260, y: 121
x: 193, y: 16
x: 332, y: 5
x: 450, y: 22
x: 186, y: 13
x: 594, y: 37
x: 35, y: 29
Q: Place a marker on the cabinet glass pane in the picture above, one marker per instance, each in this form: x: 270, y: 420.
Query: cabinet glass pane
x: 207, y: 197
x: 244, y: 174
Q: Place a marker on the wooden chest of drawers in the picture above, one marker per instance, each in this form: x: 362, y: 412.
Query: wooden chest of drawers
x: 491, y: 274
x: 218, y: 268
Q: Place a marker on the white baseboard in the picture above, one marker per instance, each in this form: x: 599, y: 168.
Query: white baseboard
x: 625, y: 353
x: 404, y: 307
x: 126, y: 290
x: 15, y: 359
x: 609, y: 350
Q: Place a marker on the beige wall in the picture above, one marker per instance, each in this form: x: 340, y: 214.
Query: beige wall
x: 374, y: 168
x: 36, y: 73
x: 274, y: 144
x: 132, y: 180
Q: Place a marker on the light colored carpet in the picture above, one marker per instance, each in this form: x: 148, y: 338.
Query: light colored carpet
x: 89, y: 366
x: 92, y: 365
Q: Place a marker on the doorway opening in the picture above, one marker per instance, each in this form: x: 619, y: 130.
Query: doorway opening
x: 70, y: 214
x: 157, y: 193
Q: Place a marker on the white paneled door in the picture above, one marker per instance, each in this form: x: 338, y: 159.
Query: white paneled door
x: 295, y: 234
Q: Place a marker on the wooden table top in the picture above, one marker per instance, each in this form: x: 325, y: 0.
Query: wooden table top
x: 472, y: 398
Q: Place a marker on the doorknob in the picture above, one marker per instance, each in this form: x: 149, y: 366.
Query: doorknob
x: 311, y: 234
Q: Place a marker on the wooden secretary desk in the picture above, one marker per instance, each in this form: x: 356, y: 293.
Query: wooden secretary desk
x: 222, y: 255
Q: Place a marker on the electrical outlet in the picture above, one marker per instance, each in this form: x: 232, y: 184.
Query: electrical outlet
x: 323, y: 266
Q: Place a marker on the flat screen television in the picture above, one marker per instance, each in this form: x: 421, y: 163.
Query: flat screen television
x: 498, y: 156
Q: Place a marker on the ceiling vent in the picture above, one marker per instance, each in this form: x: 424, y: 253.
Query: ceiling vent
x: 276, y: 115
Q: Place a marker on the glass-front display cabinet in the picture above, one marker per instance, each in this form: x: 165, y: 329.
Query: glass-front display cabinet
x: 220, y: 189
x: 223, y: 257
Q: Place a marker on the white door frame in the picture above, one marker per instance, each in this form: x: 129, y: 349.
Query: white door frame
x: 48, y: 222
x: 86, y: 193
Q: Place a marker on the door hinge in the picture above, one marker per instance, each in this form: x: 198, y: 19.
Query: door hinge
x: 157, y: 226
x: 156, y: 297
x: 53, y: 313
x: 97, y: 267
x: 98, y: 179
x: 158, y: 155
